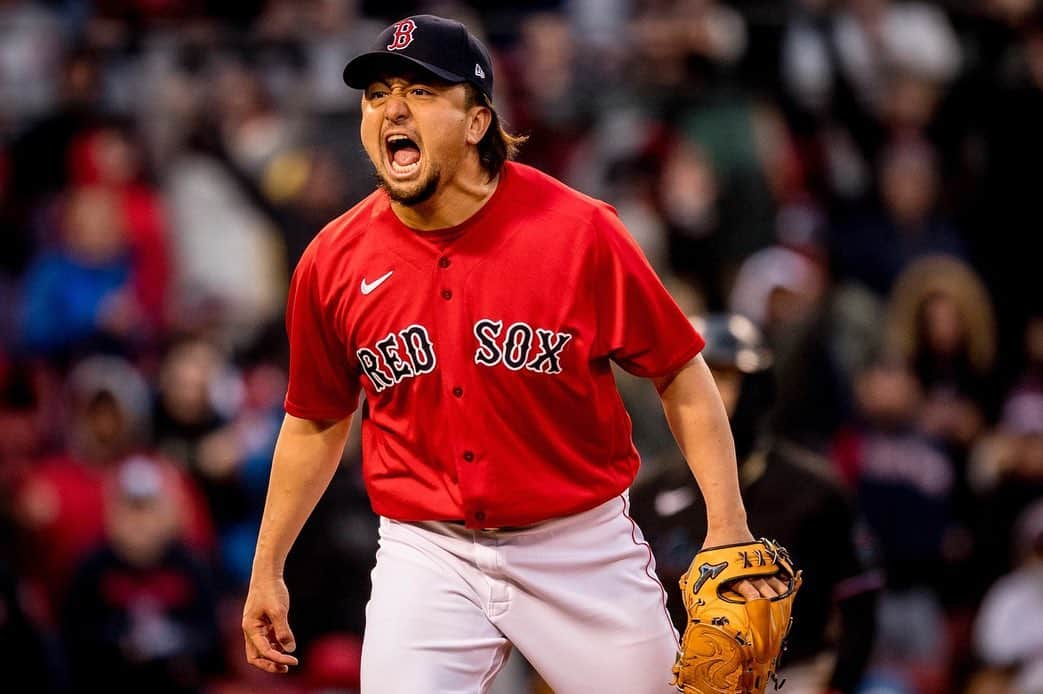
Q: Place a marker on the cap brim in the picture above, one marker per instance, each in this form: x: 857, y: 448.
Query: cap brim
x: 361, y: 71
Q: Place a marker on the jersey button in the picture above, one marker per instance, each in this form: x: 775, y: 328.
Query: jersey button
x: 479, y: 515
x: 443, y: 262
x: 458, y: 391
x: 468, y: 456
x: 446, y: 294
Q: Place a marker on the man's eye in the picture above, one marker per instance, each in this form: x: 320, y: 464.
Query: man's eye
x: 421, y: 91
x: 377, y: 94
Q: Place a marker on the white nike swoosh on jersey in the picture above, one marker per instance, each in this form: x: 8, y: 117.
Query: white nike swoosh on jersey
x: 367, y: 287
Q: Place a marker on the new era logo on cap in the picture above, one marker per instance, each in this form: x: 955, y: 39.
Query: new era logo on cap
x: 440, y: 47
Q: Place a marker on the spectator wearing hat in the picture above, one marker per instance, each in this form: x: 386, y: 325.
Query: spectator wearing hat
x: 141, y: 609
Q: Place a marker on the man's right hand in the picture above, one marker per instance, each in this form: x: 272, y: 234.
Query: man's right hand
x: 266, y: 627
x: 307, y: 454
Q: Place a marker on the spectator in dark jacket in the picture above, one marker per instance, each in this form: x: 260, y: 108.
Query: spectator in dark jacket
x: 141, y: 612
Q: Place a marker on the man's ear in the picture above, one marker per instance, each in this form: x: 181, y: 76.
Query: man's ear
x: 479, y: 120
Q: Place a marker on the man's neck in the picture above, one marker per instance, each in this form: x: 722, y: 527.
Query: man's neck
x: 454, y: 202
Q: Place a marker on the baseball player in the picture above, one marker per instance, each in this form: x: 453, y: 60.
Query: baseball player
x: 478, y: 304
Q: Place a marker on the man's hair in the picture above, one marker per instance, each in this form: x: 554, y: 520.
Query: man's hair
x: 497, y: 146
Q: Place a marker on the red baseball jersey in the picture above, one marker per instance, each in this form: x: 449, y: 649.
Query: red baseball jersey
x: 484, y: 351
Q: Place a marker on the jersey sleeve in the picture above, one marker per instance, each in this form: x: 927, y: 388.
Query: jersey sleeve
x: 324, y: 376
x: 640, y: 326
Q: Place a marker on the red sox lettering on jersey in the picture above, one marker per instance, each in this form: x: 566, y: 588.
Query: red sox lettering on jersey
x: 410, y: 352
x: 400, y: 355
x: 483, y: 351
x: 517, y: 346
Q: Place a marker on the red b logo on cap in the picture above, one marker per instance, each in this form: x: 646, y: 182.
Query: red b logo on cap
x: 403, y: 35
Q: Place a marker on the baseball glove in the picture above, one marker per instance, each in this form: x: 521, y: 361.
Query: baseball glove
x: 731, y: 645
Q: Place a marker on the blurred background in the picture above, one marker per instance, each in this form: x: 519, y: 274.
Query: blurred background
x: 856, y: 182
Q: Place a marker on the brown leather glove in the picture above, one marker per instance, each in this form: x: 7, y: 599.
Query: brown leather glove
x: 731, y: 644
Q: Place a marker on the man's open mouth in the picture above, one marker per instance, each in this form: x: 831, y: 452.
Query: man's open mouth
x: 403, y: 155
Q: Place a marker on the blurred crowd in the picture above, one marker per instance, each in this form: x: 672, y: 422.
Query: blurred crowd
x: 859, y: 179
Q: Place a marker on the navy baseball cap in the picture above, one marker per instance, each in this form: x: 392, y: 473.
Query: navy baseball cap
x: 442, y: 47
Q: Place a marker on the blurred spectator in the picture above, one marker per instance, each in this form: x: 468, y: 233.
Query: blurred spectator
x: 688, y: 197
x: 189, y: 404
x: 30, y: 55
x: 233, y: 282
x: 552, y: 104
x: 864, y: 73
x: 778, y: 289
x: 80, y: 296
x: 141, y: 609
x: 714, y: 189
x: 335, y: 34
x: 675, y: 38
x: 808, y: 58
x: 222, y: 430
x: 309, y: 186
x: 252, y: 128
x: 110, y: 159
x: 39, y: 151
x: 255, y: 431
x: 785, y: 293
x: 903, y: 479
x: 867, y: 42
x: 745, y: 147
x: 20, y: 637
x: 820, y: 102
x: 1009, y: 629
x: 941, y: 321
x: 59, y: 502
x: 21, y: 437
x: 600, y: 25
x: 1007, y: 474
x: 876, y: 245
x: 905, y: 48
x: 905, y: 486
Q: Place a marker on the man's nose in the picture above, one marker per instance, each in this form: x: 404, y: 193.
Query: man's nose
x: 395, y: 109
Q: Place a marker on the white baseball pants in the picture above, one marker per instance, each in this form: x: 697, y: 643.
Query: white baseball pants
x: 577, y: 596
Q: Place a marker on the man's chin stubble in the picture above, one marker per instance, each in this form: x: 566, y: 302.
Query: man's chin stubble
x: 422, y: 195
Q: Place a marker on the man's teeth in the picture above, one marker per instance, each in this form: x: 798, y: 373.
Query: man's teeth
x: 404, y: 169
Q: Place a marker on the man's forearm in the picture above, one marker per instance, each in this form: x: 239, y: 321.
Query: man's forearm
x: 699, y: 422
x: 306, y: 456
